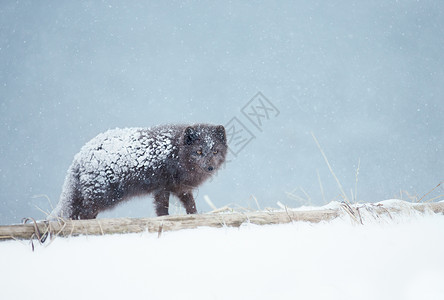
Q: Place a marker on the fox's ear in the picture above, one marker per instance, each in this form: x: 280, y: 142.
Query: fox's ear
x: 220, y: 134
x: 190, y: 136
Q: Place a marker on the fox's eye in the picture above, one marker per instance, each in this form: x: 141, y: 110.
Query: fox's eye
x: 199, y: 152
x: 215, y: 152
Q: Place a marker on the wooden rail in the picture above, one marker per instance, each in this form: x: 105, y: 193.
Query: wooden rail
x: 43, y: 229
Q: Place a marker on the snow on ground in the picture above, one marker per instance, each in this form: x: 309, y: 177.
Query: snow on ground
x: 385, y: 259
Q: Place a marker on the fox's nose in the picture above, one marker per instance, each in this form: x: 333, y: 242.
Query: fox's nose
x: 210, y: 168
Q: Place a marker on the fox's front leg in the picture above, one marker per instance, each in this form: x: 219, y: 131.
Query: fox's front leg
x: 187, y: 200
x: 162, y: 201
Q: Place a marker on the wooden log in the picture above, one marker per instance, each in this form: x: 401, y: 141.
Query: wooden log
x: 169, y: 223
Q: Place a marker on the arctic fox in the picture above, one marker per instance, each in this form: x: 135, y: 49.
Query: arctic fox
x: 122, y: 163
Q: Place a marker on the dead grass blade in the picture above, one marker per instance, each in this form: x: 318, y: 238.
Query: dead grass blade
x: 331, y: 169
x: 430, y: 192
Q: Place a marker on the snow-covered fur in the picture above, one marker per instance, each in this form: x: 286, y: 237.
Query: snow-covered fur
x: 122, y: 163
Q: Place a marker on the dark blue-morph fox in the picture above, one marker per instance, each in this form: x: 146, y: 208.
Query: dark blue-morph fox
x: 122, y: 163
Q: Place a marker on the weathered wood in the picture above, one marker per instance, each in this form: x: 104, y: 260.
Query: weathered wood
x: 169, y: 223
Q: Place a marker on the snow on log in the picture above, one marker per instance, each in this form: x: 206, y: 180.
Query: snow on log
x: 357, y: 212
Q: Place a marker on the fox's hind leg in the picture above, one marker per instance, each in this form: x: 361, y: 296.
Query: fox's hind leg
x: 82, y: 210
x: 88, y: 212
x: 188, y: 202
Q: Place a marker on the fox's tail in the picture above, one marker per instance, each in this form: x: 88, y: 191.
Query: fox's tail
x: 70, y: 192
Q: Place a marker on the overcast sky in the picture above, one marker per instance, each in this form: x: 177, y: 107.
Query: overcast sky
x: 366, y: 77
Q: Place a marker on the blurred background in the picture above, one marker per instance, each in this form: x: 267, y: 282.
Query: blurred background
x: 365, y: 77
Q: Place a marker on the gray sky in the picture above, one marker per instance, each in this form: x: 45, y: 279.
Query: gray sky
x: 365, y: 77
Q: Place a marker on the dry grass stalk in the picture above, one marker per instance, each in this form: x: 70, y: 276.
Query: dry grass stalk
x: 331, y: 169
x: 430, y: 192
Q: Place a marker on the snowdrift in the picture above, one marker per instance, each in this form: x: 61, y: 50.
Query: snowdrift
x: 387, y: 256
